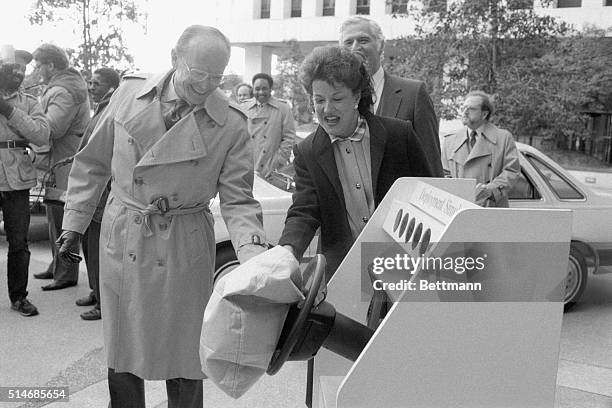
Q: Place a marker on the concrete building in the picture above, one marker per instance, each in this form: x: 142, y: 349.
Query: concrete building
x: 261, y: 26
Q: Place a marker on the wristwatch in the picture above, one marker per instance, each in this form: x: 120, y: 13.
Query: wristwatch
x: 256, y: 240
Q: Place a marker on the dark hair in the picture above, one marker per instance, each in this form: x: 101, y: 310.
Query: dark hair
x: 265, y: 76
x: 196, y: 31
x: 49, y: 53
x: 240, y: 85
x: 487, y: 102
x: 334, y: 64
x: 110, y: 76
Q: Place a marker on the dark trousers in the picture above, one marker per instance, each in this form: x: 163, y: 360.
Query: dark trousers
x: 16, y: 215
x: 127, y: 391
x: 62, y: 271
x: 91, y: 252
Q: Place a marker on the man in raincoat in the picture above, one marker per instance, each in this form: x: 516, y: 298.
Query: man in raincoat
x: 482, y: 151
x: 271, y: 126
x: 169, y: 143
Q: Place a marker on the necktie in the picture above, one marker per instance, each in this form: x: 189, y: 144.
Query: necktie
x: 473, y: 135
x: 176, y: 113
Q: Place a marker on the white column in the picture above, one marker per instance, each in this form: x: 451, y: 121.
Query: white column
x: 377, y: 9
x: 257, y: 58
x: 312, y: 8
x: 345, y: 8
x: 280, y: 9
x: 256, y: 9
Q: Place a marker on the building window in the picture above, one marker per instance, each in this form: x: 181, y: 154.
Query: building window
x: 437, y: 6
x: 569, y: 3
x: 264, y: 11
x: 296, y: 8
x: 520, y: 4
x: 329, y: 7
x: 399, y: 6
x: 363, y: 7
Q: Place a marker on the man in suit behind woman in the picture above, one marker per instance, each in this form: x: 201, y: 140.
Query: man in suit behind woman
x: 395, y: 97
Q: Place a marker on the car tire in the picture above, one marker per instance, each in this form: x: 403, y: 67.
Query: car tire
x: 576, y: 280
x: 225, y: 261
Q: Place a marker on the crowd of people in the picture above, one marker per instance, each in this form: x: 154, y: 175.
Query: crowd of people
x: 132, y: 183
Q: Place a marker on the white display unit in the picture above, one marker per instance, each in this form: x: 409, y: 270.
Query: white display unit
x: 498, y: 348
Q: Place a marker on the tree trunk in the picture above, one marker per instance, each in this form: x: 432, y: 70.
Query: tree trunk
x: 86, y: 36
x: 494, y: 33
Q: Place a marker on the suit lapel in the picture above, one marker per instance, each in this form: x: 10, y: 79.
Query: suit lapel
x: 378, y: 139
x: 390, y: 99
x: 324, y: 156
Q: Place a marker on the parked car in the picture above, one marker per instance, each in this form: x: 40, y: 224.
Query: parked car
x: 274, y: 195
x: 541, y: 184
x: 544, y: 184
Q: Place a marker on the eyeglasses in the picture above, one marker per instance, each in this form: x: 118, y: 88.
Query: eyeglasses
x: 469, y: 109
x: 197, y: 75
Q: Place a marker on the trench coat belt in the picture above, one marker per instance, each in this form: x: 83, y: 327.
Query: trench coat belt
x: 157, y: 206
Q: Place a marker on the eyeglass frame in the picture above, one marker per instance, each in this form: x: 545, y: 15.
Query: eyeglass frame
x: 218, y: 78
x: 470, y: 108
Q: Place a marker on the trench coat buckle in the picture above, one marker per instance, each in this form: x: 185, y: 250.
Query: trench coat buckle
x: 162, y: 204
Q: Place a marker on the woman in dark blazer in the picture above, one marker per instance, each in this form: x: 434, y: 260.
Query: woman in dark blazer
x: 353, y: 157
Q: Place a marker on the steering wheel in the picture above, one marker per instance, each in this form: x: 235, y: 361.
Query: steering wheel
x: 286, y: 343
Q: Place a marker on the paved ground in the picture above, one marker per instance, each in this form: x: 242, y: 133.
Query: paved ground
x: 58, y: 348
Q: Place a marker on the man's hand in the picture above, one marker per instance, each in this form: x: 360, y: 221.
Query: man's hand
x: 290, y: 249
x: 68, y: 246
x: 5, y: 108
x: 483, y: 192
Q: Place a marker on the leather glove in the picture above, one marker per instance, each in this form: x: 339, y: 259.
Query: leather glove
x: 5, y: 108
x: 68, y: 246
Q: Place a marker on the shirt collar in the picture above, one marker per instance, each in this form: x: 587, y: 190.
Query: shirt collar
x: 486, y: 130
x: 357, y: 135
x: 216, y: 105
x: 378, y: 77
x: 479, y: 131
x: 171, y: 91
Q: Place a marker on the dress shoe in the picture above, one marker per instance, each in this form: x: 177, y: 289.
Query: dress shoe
x: 44, y: 275
x: 88, y: 300
x: 24, y: 307
x: 92, y: 314
x: 56, y: 285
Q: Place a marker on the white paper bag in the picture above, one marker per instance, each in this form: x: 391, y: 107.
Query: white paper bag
x: 244, y: 318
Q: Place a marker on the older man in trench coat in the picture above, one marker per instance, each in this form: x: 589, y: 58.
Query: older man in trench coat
x: 157, y: 244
